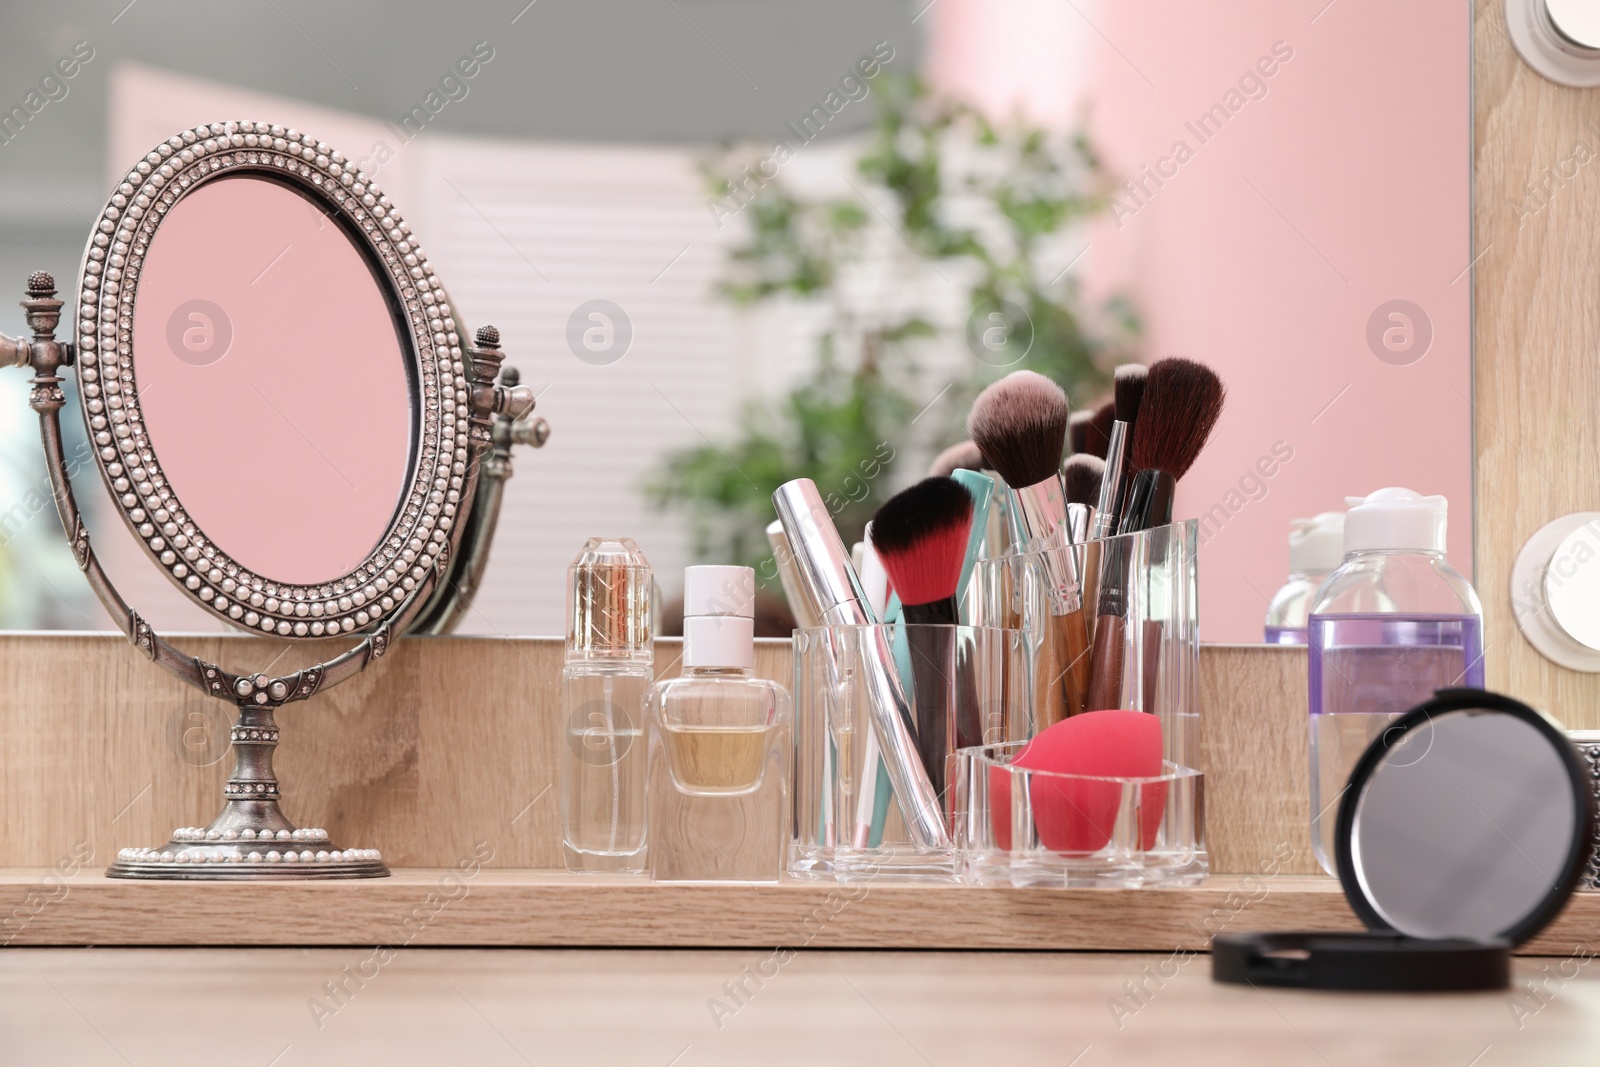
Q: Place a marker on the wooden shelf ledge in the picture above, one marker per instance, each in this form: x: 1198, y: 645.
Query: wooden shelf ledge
x: 532, y: 907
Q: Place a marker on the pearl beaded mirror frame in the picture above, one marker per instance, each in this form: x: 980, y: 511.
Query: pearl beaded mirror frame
x: 443, y: 421
x: 233, y: 174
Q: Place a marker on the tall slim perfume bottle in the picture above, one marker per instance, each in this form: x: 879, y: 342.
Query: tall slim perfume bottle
x: 609, y: 668
x: 719, y: 745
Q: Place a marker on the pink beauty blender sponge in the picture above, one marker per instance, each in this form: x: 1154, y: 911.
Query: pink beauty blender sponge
x: 1078, y: 815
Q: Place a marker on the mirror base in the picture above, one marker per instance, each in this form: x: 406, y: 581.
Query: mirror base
x: 251, y: 840
x: 213, y: 854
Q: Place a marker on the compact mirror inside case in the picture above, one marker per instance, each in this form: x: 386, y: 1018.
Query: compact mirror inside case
x: 1464, y: 830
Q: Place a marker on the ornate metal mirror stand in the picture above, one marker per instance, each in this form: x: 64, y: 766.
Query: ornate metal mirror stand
x: 419, y: 579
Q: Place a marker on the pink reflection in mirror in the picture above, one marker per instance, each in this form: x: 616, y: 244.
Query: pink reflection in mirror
x: 272, y: 380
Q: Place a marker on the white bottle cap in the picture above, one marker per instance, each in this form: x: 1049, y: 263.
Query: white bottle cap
x: 1316, y: 546
x: 1395, y: 519
x: 719, y: 590
x: 719, y: 627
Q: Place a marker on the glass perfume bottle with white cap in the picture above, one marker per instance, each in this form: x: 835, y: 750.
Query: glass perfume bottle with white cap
x: 608, y: 671
x: 719, y: 744
x: 1316, y: 548
x: 1392, y: 624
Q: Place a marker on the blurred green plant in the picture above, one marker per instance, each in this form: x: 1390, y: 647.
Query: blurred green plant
x: 972, y: 215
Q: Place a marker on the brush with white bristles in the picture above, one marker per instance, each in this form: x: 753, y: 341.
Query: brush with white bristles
x: 1020, y: 425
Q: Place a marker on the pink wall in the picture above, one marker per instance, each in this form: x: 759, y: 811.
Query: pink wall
x: 1339, y: 183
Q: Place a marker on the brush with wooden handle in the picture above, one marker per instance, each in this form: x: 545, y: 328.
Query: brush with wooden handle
x: 1020, y: 425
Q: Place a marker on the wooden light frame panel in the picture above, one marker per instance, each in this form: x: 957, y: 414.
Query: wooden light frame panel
x: 1536, y: 331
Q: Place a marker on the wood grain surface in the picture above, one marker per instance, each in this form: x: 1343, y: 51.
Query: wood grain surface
x: 334, y: 1007
x: 450, y: 741
x: 485, y: 905
x: 499, y: 907
x: 1537, y: 335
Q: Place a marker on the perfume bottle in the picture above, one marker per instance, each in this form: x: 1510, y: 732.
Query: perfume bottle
x: 609, y: 668
x: 719, y: 745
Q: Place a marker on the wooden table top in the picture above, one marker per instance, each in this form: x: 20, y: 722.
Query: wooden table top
x: 684, y: 1008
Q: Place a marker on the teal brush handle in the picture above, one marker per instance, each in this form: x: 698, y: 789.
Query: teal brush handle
x: 981, y: 488
x: 902, y: 664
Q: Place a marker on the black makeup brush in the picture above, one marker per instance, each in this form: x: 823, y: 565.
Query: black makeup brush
x: 1020, y: 424
x: 1181, y: 404
x: 962, y: 456
x: 921, y: 535
x: 1128, y: 397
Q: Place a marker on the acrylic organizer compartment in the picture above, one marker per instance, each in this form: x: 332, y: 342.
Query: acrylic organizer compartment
x: 1011, y: 592
x: 1028, y: 827
x: 849, y: 823
x: 1140, y: 600
x: 1143, y: 588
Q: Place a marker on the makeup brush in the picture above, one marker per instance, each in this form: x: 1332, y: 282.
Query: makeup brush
x: 1020, y: 425
x: 1181, y: 404
x: 992, y: 523
x: 1082, y: 476
x: 921, y: 536
x: 1078, y: 427
x: 962, y: 456
x: 1100, y: 436
x: 1127, y: 399
x: 1087, y: 434
x: 980, y: 487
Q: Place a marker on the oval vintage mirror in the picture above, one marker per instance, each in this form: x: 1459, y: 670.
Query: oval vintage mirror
x: 1469, y: 819
x: 273, y: 380
x: 289, y: 421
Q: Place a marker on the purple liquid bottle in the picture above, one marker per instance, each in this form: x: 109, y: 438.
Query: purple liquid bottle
x: 1394, y: 623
